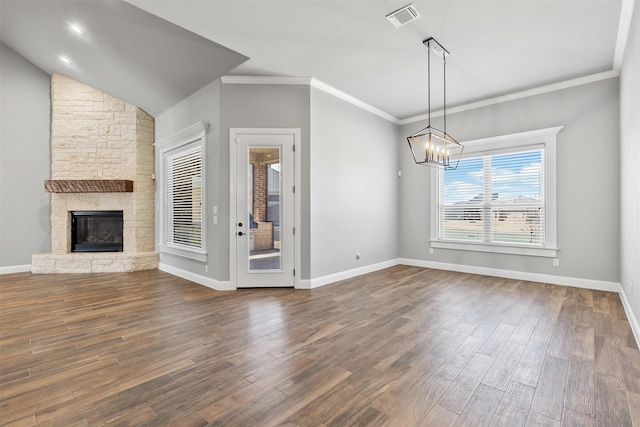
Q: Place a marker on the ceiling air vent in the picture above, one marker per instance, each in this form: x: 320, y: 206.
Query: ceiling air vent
x: 403, y: 16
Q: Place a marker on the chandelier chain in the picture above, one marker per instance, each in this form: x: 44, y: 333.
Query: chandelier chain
x: 444, y: 67
x: 429, y: 83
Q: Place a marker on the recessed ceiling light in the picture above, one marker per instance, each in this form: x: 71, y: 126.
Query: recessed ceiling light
x: 77, y: 29
x: 65, y: 60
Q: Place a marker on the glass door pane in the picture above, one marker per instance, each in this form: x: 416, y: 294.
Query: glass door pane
x: 264, y: 190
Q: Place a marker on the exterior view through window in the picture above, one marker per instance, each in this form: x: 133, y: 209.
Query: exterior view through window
x: 494, y: 199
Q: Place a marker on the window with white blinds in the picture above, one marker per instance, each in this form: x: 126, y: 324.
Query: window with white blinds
x: 183, y: 198
x: 501, y: 198
x: 494, y: 199
x: 182, y: 184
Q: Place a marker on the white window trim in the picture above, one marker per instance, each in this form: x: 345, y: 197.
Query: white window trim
x: 190, y: 136
x: 505, y: 143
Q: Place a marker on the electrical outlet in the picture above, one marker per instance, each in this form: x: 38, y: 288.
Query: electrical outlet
x: 556, y: 262
x: 206, y: 268
x: 430, y: 251
x: 631, y: 287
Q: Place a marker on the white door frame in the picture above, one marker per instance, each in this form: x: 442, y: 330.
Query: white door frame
x: 233, y: 153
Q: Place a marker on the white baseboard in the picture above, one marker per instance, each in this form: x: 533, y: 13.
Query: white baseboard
x: 633, y: 320
x: 197, y: 278
x: 343, y: 275
x: 598, y: 285
x: 303, y: 284
x: 15, y: 269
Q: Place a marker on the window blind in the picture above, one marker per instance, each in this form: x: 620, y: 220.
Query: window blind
x: 183, y: 198
x: 494, y: 199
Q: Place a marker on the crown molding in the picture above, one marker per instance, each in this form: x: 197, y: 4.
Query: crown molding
x: 352, y: 100
x: 315, y: 83
x: 624, y: 26
x: 265, y: 80
x: 518, y: 95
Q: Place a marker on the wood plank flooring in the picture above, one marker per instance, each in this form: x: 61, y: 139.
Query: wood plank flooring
x: 403, y: 346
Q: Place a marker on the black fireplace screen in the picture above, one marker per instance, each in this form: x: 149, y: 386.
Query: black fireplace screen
x: 96, y: 231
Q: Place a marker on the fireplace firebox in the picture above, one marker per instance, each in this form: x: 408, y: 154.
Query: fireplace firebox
x: 96, y: 231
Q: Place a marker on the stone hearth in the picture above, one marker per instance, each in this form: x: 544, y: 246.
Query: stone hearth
x: 97, y: 137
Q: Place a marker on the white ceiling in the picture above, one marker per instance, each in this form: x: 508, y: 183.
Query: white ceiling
x: 497, y: 47
x: 124, y: 51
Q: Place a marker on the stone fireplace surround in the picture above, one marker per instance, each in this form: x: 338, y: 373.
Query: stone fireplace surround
x: 98, y: 140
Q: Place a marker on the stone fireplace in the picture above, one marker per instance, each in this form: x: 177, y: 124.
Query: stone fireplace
x: 101, y: 160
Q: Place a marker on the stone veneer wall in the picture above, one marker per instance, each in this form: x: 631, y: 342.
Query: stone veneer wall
x: 97, y: 136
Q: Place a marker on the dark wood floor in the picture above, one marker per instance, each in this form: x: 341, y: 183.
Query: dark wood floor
x: 402, y: 347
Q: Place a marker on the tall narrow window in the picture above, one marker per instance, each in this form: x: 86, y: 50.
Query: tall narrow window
x: 501, y: 198
x: 183, y: 198
x: 183, y: 189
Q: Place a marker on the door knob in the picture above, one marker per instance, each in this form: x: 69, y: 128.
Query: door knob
x: 240, y: 233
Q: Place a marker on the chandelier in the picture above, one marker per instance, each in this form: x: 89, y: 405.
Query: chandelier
x: 431, y: 146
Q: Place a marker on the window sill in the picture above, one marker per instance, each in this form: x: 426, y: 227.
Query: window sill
x: 184, y: 252
x: 497, y: 249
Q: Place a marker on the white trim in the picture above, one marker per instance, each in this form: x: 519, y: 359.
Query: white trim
x: 547, y: 137
x: 633, y: 320
x: 521, y: 138
x: 15, y: 269
x: 265, y: 80
x: 315, y: 83
x: 303, y: 284
x: 197, y: 278
x: 518, y: 95
x: 496, y: 248
x: 197, y: 255
x: 343, y: 275
x: 196, y: 133
x: 598, y: 285
x: 177, y: 139
x: 297, y: 200
x: 277, y: 80
x: 352, y: 100
x: 624, y: 25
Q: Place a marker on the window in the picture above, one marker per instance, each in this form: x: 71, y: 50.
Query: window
x: 501, y: 198
x: 183, y: 198
x: 182, y: 177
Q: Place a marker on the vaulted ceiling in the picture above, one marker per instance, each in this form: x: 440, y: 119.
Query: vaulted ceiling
x: 117, y: 48
x: 170, y: 48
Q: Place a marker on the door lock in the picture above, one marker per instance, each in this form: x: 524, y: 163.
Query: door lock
x: 240, y: 233
x: 239, y: 224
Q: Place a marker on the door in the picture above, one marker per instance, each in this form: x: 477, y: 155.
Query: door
x: 263, y: 231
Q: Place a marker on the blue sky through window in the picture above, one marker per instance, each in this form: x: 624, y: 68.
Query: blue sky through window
x: 516, y: 177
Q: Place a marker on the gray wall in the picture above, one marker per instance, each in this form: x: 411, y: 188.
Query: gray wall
x: 226, y: 106
x: 25, y: 208
x: 588, y: 181
x: 266, y: 106
x: 354, y: 186
x: 202, y: 106
x: 630, y: 166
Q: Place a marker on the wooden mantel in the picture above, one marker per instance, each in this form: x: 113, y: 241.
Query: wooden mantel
x: 88, y: 186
